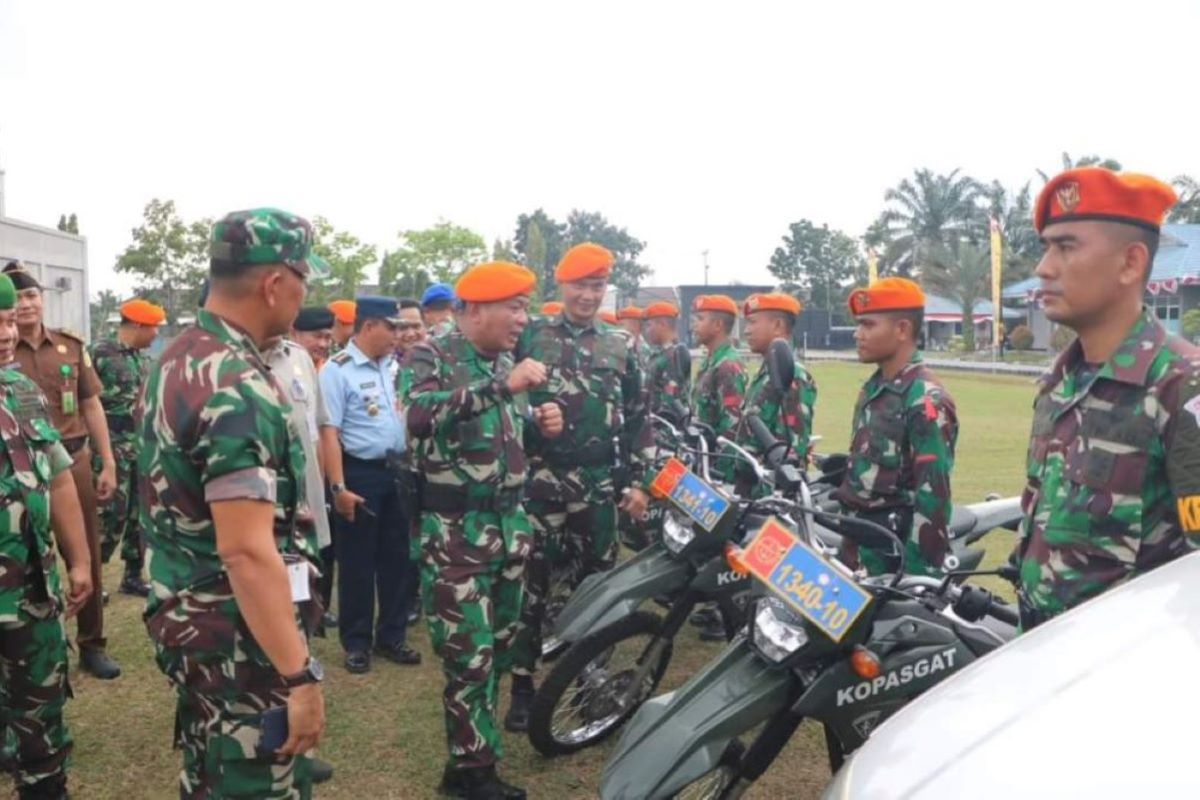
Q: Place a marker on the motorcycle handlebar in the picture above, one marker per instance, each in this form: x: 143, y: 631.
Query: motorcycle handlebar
x: 773, y: 452
x: 1004, y: 613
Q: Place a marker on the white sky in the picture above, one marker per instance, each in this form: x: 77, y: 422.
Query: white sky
x: 696, y: 125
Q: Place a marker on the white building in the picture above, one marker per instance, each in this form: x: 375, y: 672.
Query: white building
x: 57, y: 259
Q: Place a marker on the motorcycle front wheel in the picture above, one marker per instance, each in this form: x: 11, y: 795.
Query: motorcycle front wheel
x: 581, y: 701
x: 717, y: 783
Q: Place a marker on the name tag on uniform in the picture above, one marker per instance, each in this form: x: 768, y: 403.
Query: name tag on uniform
x: 298, y: 578
x: 298, y: 393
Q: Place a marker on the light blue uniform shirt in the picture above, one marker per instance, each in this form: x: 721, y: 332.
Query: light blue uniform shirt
x: 353, y: 386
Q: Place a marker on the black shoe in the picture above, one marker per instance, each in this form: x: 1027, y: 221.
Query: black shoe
x: 322, y: 770
x: 358, y: 662
x: 478, y: 783
x: 517, y: 718
x: 399, y: 654
x: 99, y: 664
x: 54, y: 788
x: 714, y: 632
x: 704, y: 617
x: 133, y: 584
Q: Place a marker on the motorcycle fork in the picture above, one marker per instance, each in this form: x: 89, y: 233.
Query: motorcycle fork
x: 677, y: 615
x: 767, y: 746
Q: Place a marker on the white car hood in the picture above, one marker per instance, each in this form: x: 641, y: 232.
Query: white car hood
x: 1101, y: 702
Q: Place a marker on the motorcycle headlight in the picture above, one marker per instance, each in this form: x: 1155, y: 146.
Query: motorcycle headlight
x: 677, y: 532
x: 778, y: 632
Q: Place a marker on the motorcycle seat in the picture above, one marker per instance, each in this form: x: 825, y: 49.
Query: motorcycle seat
x: 962, y: 521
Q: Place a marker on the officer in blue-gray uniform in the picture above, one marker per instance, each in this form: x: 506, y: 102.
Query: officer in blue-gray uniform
x: 364, y: 444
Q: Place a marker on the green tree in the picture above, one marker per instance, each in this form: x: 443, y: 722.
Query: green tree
x: 402, y: 279
x: 540, y: 242
x: 818, y: 261
x: 1085, y: 161
x: 104, y: 306
x: 961, y: 271
x: 62, y: 222
x: 924, y: 213
x: 168, y: 257
x: 627, y: 274
x: 1191, y: 323
x: 73, y: 224
x: 503, y: 250
x: 442, y: 251
x: 1014, y: 212
x: 1187, y: 210
x: 348, y: 257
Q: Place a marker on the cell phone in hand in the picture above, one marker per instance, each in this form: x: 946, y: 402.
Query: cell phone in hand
x: 273, y: 731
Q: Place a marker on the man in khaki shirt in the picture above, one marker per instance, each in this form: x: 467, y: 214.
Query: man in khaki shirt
x: 58, y: 363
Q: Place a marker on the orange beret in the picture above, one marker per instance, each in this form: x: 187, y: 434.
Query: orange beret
x: 609, y: 316
x: 1095, y: 193
x: 886, y: 294
x: 551, y: 308
x: 493, y: 282
x: 716, y: 302
x: 343, y: 311
x: 582, y: 261
x: 776, y: 301
x: 143, y: 312
x: 662, y: 309
x: 631, y: 312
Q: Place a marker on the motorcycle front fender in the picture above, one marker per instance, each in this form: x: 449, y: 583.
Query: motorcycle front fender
x: 677, y: 737
x: 606, y: 597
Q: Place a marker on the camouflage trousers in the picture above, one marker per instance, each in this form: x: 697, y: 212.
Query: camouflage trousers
x: 33, y: 691
x: 571, y: 541
x: 119, y: 515
x: 472, y: 576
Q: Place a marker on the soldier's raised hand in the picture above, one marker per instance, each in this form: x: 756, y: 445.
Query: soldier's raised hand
x: 549, y: 419
x: 526, y: 375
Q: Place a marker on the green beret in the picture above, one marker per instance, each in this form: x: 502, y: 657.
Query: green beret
x: 8, y: 293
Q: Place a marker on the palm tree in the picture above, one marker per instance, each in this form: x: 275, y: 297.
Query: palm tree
x: 1188, y: 207
x: 961, y: 271
x: 1085, y: 161
x: 926, y: 212
x: 1014, y: 212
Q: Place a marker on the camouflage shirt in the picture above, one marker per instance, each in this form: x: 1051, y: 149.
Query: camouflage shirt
x: 32, y: 456
x: 593, y: 374
x: 661, y: 382
x: 789, y: 418
x: 1113, y: 470
x: 901, y: 455
x: 122, y: 370
x: 213, y: 425
x: 719, y: 389
x: 467, y: 428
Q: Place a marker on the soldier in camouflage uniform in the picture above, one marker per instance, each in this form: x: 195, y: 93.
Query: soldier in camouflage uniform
x: 223, y: 507
x: 720, y: 386
x: 788, y: 418
x: 122, y: 365
x: 343, y: 324
x: 632, y: 319
x: 904, y: 431
x: 467, y: 411
x: 662, y: 384
x: 1114, y: 460
x: 35, y: 480
x: 437, y: 310
x: 594, y: 376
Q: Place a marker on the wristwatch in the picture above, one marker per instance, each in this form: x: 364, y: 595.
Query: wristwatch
x: 337, y: 488
x: 313, y: 672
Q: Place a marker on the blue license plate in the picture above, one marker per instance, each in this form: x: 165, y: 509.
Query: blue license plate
x: 699, y: 501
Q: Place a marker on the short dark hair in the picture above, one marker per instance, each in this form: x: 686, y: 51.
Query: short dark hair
x: 408, y: 302
x: 788, y: 320
x: 727, y: 320
x: 916, y: 318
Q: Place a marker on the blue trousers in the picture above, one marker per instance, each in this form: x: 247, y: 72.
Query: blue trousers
x: 373, y: 561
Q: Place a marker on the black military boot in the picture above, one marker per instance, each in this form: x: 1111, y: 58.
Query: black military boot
x: 54, y: 788
x: 714, y: 629
x: 517, y: 719
x: 321, y: 771
x: 478, y: 783
x: 132, y: 583
x: 99, y: 664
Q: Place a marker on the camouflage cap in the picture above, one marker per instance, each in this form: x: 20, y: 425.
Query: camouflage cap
x: 243, y: 239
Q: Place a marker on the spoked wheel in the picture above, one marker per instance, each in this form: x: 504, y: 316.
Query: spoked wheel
x: 587, y: 695
x: 557, y: 595
x: 717, y: 783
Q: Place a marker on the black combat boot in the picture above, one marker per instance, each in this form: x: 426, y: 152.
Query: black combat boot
x: 478, y: 783
x: 54, y: 788
x: 132, y: 583
x: 517, y: 719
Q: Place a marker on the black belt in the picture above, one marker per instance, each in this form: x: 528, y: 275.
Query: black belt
x: 455, y: 500
x: 593, y: 455
x: 75, y: 445
x: 376, y: 463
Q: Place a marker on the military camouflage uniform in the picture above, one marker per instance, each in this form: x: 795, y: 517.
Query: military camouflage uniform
x: 901, y: 456
x: 719, y: 388
x: 1113, y: 468
x: 33, y: 641
x: 593, y: 374
x: 661, y: 382
x: 789, y: 419
x: 475, y: 538
x: 443, y: 328
x: 215, y: 425
x: 122, y: 370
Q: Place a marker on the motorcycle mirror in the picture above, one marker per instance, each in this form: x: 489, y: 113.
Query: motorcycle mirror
x: 781, y: 366
x: 681, y: 363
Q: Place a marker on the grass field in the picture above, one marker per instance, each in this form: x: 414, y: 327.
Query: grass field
x: 385, y: 734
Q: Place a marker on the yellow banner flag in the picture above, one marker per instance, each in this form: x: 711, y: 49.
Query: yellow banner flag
x: 997, y: 268
x: 872, y: 265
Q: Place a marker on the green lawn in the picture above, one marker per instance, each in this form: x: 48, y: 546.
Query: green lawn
x: 385, y: 733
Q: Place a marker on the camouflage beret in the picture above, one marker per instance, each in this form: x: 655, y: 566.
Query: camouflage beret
x: 243, y: 239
